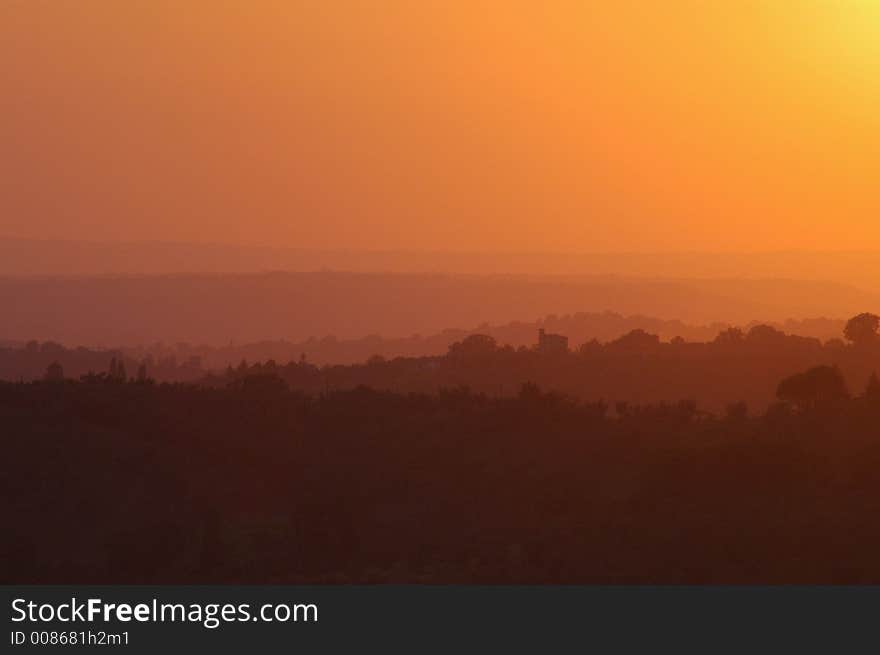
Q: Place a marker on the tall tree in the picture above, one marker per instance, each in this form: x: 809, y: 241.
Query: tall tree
x: 862, y: 329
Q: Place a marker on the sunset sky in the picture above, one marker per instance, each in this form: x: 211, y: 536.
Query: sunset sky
x: 480, y: 125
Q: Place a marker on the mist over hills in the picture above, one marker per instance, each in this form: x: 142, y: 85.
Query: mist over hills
x: 128, y: 294
x: 216, y: 309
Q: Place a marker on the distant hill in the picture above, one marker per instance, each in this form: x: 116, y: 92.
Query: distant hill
x: 27, y: 257
x: 216, y: 309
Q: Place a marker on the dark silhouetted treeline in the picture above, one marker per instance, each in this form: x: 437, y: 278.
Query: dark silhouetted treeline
x: 110, y: 481
x: 174, y: 362
x: 30, y: 361
x: 639, y: 367
x: 738, y: 365
x: 580, y: 328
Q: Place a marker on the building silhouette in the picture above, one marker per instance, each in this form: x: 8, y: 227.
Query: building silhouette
x: 551, y: 343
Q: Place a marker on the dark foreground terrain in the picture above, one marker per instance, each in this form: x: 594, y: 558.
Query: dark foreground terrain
x: 125, y: 482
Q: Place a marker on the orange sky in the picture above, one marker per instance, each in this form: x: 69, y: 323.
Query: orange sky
x: 478, y: 125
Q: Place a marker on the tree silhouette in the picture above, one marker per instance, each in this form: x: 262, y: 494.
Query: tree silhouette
x: 862, y: 329
x: 730, y: 336
x: 54, y: 373
x: 820, y: 386
x: 765, y: 334
x: 473, y: 345
x: 636, y: 340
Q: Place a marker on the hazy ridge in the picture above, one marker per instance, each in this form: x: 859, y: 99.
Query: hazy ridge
x: 54, y: 257
x: 216, y: 309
